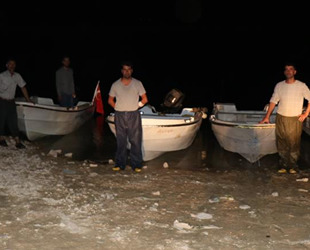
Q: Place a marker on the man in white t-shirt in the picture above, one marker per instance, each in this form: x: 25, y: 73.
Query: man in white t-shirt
x: 124, y: 97
x: 9, y: 80
x: 290, y: 95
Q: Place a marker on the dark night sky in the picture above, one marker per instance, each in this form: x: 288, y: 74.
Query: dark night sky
x: 174, y: 47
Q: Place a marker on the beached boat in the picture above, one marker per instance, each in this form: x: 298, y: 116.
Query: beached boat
x: 239, y: 131
x: 45, y: 118
x: 166, y: 132
x: 306, y: 125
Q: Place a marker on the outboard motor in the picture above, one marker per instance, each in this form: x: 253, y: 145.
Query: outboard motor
x: 173, y: 101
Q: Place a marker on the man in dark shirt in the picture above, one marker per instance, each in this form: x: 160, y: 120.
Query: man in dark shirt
x: 65, y: 84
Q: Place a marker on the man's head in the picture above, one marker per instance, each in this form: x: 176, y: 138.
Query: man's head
x: 66, y: 61
x: 290, y: 70
x: 11, y: 65
x: 127, y: 69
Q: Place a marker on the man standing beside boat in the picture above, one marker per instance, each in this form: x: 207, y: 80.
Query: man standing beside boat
x: 65, y: 84
x: 290, y: 95
x: 9, y: 80
x: 127, y: 92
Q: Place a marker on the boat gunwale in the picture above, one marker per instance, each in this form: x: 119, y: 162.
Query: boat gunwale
x: 214, y: 120
x: 242, y: 125
x: 169, y: 125
x: 80, y: 108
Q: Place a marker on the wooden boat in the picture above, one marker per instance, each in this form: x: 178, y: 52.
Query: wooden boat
x: 239, y: 131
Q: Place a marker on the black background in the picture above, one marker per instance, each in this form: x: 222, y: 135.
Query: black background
x: 178, y: 44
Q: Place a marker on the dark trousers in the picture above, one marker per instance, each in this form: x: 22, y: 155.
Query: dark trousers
x: 288, y: 137
x: 66, y: 100
x: 128, y: 128
x: 8, y: 117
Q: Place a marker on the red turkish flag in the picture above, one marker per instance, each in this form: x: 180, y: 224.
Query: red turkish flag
x: 98, y: 99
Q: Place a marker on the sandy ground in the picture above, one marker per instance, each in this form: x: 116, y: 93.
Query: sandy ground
x: 49, y: 203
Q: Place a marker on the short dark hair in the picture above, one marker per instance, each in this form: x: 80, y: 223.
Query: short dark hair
x: 65, y: 56
x: 127, y: 63
x: 290, y: 64
x: 10, y: 59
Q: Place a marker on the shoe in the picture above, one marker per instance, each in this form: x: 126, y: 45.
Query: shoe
x: 3, y: 143
x: 282, y: 171
x: 116, y: 168
x: 20, y: 145
x: 292, y: 171
x: 137, y: 170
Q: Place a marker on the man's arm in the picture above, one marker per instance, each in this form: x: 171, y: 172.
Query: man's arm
x: 269, y: 111
x: 304, y: 115
x: 143, y: 101
x: 58, y: 85
x: 25, y: 93
x: 111, y: 101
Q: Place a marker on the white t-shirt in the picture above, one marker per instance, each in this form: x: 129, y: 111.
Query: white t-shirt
x: 8, y: 84
x: 290, y: 97
x: 127, y: 96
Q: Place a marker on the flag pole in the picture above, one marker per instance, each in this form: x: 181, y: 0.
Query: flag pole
x: 95, y: 93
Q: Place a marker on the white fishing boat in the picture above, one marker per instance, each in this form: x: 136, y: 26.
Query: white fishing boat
x: 166, y: 132
x: 306, y: 125
x: 239, y: 131
x: 45, y: 118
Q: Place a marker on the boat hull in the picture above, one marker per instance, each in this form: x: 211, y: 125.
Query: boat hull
x: 240, y: 132
x: 306, y: 126
x: 251, y: 143
x: 158, y: 140
x: 165, y: 134
x: 37, y: 121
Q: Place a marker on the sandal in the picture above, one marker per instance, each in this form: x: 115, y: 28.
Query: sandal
x: 282, y: 171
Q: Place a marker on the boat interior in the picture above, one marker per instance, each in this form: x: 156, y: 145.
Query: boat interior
x: 37, y: 100
x: 48, y: 101
x: 229, y: 113
x: 243, y: 117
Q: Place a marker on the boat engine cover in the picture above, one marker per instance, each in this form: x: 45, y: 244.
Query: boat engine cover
x: 174, y: 99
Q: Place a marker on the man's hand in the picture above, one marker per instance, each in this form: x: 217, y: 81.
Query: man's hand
x: 265, y: 120
x: 302, y: 117
x: 29, y: 100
